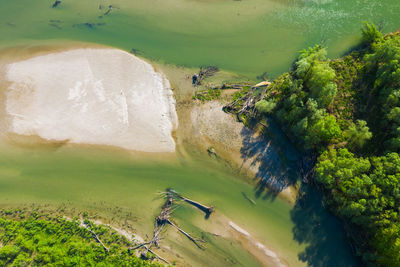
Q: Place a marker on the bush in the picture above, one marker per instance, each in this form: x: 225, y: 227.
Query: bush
x: 265, y: 106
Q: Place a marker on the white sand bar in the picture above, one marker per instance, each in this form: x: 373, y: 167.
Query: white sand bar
x: 92, y: 96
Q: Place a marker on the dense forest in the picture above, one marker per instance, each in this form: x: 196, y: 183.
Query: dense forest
x: 345, y: 113
x: 35, y: 238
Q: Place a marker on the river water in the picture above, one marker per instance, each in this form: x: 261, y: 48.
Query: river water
x: 245, y: 37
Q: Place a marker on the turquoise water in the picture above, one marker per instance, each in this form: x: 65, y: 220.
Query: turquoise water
x: 247, y: 37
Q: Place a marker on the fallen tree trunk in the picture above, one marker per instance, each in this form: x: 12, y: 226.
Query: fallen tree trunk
x: 99, y: 241
x: 207, y: 210
x: 96, y: 237
x: 140, y: 245
x: 249, y: 104
x: 187, y: 235
x: 159, y: 257
x: 231, y: 106
x: 164, y: 219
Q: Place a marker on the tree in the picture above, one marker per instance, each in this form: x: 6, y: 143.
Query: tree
x: 317, y: 75
x: 357, y: 134
x: 338, y: 167
x: 322, y: 131
x: 370, y: 33
x: 384, y: 63
x: 265, y: 106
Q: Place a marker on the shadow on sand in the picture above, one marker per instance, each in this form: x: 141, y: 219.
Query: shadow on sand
x: 277, y: 161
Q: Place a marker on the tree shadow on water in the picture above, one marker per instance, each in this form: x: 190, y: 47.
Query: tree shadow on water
x: 275, y: 158
x: 321, y: 233
x: 278, y: 165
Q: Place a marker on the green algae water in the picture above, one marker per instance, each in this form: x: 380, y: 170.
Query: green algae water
x: 247, y: 37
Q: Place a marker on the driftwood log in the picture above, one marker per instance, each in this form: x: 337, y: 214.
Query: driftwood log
x: 110, y: 8
x: 249, y: 100
x: 231, y: 106
x: 206, y: 72
x: 165, y: 219
x: 88, y: 227
x: 170, y: 193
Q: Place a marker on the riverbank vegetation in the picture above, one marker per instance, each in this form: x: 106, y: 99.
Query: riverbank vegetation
x: 35, y: 238
x: 345, y: 113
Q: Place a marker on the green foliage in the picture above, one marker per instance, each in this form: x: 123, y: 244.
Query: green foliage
x: 382, y: 67
x: 239, y: 94
x: 367, y: 194
x: 347, y: 111
x: 384, y: 63
x: 365, y: 191
x: 322, y: 85
x: 301, y: 99
x: 345, y: 106
x: 208, y: 95
x: 336, y: 168
x: 317, y: 75
x: 348, y: 71
x: 370, y: 34
x: 357, y: 134
x: 265, y: 107
x: 323, y: 131
x: 42, y: 241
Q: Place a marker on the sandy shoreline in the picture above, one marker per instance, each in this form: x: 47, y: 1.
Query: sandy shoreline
x: 91, y: 96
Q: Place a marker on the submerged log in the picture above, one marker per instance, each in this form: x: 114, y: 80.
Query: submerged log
x: 110, y: 7
x: 164, y: 219
x: 248, y: 198
x: 173, y: 194
x: 56, y: 3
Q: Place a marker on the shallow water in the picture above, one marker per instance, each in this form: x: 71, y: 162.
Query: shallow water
x: 113, y: 184
x: 248, y: 37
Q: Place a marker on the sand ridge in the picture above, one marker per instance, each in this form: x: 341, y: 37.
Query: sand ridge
x: 94, y: 96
